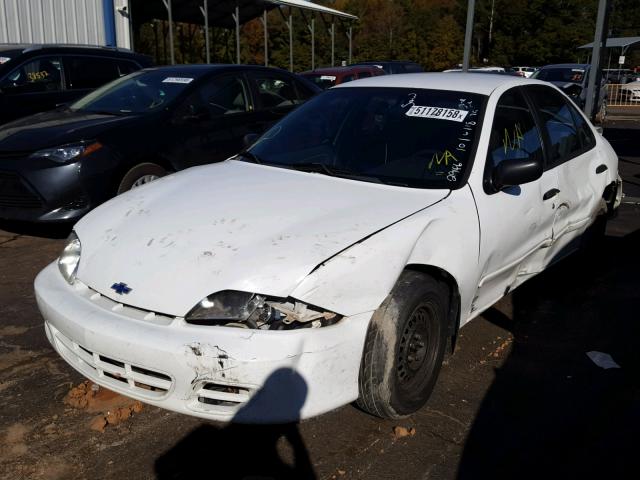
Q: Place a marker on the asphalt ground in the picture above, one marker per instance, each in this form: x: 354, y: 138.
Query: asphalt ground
x: 519, y: 398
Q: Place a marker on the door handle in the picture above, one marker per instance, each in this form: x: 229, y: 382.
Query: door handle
x: 601, y: 168
x: 550, y: 194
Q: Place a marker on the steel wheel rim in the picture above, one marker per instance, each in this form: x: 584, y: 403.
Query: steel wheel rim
x: 144, y: 180
x: 415, y: 348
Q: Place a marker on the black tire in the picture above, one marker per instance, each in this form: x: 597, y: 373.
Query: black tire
x: 138, y: 173
x: 404, y: 347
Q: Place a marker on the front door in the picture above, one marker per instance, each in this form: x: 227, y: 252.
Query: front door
x: 210, y: 123
x: 516, y: 223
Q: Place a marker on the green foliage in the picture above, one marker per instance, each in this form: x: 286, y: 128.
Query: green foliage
x: 430, y: 32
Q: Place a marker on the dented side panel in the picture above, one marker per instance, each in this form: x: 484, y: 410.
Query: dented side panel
x: 446, y: 236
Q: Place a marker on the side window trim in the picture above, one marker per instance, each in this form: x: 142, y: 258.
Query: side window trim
x: 544, y: 136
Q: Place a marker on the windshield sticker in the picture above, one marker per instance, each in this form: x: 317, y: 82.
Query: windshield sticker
x: 4, y: 60
x: 439, y: 113
x: 446, y: 159
x: 177, y: 80
x: 37, y: 76
x: 513, y: 142
x: 327, y: 77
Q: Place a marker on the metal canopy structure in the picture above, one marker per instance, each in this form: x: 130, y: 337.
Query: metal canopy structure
x: 234, y: 13
x: 618, y: 42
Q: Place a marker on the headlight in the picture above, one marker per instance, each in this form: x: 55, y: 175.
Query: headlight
x: 249, y: 310
x: 69, y: 258
x: 66, y: 153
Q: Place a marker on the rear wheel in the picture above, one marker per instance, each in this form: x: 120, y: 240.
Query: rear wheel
x: 140, y: 175
x: 404, y: 347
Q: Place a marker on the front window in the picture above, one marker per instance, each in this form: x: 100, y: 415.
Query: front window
x: 37, y: 76
x: 139, y: 92
x: 408, y: 137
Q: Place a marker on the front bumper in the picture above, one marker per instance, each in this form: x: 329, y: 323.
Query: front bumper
x: 220, y: 373
x: 39, y: 190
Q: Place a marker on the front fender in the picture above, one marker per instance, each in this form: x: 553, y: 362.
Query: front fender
x: 357, y: 280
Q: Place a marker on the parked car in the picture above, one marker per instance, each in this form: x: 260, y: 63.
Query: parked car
x: 525, y: 71
x: 332, y: 76
x: 36, y: 78
x: 337, y: 257
x: 394, y: 66
x: 629, y: 93
x: 573, y: 79
x: 56, y: 166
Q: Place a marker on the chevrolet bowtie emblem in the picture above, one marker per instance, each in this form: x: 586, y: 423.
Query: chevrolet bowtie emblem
x: 120, y: 288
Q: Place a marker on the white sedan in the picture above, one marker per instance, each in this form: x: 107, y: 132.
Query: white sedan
x: 335, y: 259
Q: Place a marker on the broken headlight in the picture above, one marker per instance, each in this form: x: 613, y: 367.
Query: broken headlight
x: 249, y: 310
x: 70, y: 258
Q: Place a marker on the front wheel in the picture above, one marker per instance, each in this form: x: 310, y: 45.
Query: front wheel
x: 404, y: 347
x: 140, y: 175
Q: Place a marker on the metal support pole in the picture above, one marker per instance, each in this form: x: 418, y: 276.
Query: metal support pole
x: 167, y: 4
x: 590, y: 99
x: 350, y: 37
x: 468, y: 35
x: 333, y: 44
x: 205, y: 13
x: 266, y: 38
x: 312, y: 29
x: 290, y: 25
x: 236, y: 18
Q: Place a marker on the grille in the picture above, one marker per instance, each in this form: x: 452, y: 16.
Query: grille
x: 14, y: 193
x: 221, y: 398
x: 116, y: 373
x: 135, y: 313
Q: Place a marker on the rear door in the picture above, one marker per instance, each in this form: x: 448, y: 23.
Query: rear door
x: 581, y: 169
x: 35, y: 86
x: 516, y: 223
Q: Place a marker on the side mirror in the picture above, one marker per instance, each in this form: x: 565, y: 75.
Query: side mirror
x: 573, y: 90
x: 510, y: 173
x: 249, y: 139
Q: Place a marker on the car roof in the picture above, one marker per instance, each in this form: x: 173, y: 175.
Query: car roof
x: 204, y: 67
x: 25, y: 48
x: 482, y: 83
x: 331, y: 70
x: 566, y: 65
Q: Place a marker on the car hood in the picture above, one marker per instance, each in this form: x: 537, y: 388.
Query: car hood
x: 57, y: 127
x: 231, y: 226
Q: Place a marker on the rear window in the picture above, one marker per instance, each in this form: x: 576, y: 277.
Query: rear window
x: 323, y: 81
x: 91, y: 72
x: 568, y: 75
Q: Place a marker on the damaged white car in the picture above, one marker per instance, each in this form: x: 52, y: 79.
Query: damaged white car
x: 335, y: 259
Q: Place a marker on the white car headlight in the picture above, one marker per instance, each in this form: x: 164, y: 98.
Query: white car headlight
x: 249, y: 310
x: 70, y: 258
x: 67, y: 153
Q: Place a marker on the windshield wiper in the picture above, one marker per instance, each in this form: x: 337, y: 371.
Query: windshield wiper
x: 251, y: 156
x: 316, y: 167
x: 105, y: 112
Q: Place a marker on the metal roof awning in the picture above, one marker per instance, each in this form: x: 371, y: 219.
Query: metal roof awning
x: 234, y: 13
x: 618, y: 42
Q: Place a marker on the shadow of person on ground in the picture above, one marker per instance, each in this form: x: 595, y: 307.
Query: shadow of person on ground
x: 248, y: 452
x: 551, y: 412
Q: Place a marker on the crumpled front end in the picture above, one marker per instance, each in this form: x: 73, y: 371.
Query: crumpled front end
x: 216, y: 372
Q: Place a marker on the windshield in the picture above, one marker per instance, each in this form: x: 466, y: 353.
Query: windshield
x: 409, y: 137
x: 568, y: 75
x: 139, y: 92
